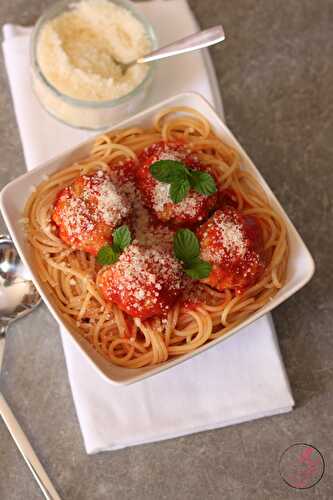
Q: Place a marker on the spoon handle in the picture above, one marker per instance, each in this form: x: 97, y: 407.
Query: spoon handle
x: 27, y: 452
x: 192, y: 42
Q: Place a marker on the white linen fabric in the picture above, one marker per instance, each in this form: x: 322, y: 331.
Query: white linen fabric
x: 241, y: 379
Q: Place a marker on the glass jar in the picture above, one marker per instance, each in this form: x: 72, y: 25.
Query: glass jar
x: 85, y: 114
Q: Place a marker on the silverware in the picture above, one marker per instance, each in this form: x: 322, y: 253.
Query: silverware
x: 18, y: 297
x: 196, y: 41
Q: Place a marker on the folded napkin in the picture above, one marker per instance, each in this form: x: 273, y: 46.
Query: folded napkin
x: 241, y: 379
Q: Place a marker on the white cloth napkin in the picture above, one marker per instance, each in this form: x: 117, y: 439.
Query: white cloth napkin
x: 242, y: 378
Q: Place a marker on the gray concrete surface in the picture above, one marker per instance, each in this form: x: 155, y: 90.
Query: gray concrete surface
x: 276, y: 74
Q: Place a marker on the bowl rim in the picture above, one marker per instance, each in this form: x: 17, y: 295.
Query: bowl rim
x: 56, y: 9
x: 307, y: 274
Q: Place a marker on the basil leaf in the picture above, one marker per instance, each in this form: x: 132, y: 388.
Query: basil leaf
x: 121, y: 238
x: 202, y: 182
x: 186, y: 245
x: 178, y: 190
x: 169, y: 171
x: 199, y: 269
x: 107, y: 255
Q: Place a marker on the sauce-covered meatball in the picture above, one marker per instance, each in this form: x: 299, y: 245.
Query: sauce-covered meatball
x: 232, y: 242
x: 87, y: 212
x: 194, y: 208
x: 144, y: 282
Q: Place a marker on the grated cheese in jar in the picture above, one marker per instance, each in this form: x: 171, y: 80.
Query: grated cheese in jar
x: 78, y: 51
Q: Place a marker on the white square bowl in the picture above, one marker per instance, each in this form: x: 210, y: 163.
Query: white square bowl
x: 14, y: 196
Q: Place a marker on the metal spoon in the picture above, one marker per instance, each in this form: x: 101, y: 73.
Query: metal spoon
x: 18, y: 297
x: 196, y: 41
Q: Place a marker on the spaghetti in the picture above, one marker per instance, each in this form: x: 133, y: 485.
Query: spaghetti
x: 201, y: 313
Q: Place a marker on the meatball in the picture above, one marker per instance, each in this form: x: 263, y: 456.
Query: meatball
x: 87, y: 212
x: 144, y: 282
x: 194, y: 208
x: 232, y: 242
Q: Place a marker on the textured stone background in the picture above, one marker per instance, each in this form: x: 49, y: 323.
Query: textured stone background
x: 276, y: 75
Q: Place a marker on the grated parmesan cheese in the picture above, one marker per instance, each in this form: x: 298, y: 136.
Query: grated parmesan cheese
x: 161, y: 196
x: 79, y: 49
x: 189, y: 205
x: 171, y: 154
x: 226, y: 240
x: 232, y: 236
x: 110, y: 204
x: 98, y: 202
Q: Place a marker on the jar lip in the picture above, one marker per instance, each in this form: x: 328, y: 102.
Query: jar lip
x: 62, y: 6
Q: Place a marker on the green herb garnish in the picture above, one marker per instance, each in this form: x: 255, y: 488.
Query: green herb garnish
x: 187, y: 249
x: 181, y: 179
x: 121, y: 238
x: 199, y: 269
x: 168, y: 171
x: 179, y: 190
x: 203, y: 182
x: 109, y: 254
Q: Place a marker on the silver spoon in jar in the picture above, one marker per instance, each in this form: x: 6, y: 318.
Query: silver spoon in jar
x: 18, y: 297
x: 197, y: 41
